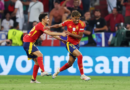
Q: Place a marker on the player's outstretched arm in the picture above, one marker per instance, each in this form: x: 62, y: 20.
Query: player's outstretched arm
x: 53, y: 26
x: 55, y: 33
x: 57, y: 37
x: 79, y: 36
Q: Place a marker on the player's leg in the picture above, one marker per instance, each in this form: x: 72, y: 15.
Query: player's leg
x: 40, y: 62
x: 66, y: 66
x: 78, y: 54
x: 35, y: 71
x: 69, y: 64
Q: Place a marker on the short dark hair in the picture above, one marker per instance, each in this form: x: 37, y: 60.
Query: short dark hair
x: 15, y: 24
x: 57, y: 1
x: 115, y: 8
x: 97, y: 10
x: 75, y: 13
x: 42, y: 16
x: 35, y: 21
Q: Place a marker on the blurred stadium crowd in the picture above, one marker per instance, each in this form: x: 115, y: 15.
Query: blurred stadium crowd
x: 102, y: 18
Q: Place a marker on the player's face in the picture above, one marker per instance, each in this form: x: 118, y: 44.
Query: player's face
x: 76, y: 20
x: 46, y: 20
x: 97, y: 14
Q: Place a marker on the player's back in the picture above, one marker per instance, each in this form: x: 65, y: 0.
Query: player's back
x: 35, y: 33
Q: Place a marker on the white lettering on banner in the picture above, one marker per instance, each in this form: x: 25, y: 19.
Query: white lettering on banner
x: 6, y: 67
x: 88, y: 64
x: 19, y: 61
x: 57, y: 61
x: 104, y: 65
x: 47, y: 63
x: 47, y: 37
x: 116, y: 61
x: 70, y: 69
x: 99, y: 68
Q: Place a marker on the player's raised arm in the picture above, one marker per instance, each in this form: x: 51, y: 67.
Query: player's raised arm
x: 57, y: 25
x: 54, y: 33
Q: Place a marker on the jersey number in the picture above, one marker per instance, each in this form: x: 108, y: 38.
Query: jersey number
x: 32, y: 31
x: 14, y: 33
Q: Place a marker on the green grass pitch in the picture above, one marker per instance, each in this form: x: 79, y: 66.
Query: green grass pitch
x: 65, y: 83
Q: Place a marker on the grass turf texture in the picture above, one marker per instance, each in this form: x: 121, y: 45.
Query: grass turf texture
x: 65, y: 83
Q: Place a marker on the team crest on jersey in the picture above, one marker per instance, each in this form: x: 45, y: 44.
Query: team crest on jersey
x: 74, y: 29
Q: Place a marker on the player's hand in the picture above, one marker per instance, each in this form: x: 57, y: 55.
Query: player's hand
x: 64, y: 41
x: 67, y: 32
x: 63, y: 34
x: 47, y: 27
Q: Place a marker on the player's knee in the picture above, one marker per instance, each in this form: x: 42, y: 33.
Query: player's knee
x: 40, y: 55
x: 80, y: 55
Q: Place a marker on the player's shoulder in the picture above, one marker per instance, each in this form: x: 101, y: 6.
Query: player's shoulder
x: 69, y: 21
x: 81, y: 23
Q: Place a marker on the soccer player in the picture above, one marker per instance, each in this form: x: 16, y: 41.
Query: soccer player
x: 32, y: 51
x: 75, y: 32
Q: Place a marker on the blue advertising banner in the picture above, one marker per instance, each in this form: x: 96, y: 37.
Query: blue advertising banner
x: 97, y: 61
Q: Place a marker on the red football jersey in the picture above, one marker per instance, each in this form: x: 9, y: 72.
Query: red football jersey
x: 35, y: 33
x: 74, y: 29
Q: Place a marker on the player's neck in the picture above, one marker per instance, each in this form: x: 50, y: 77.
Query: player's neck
x: 43, y: 24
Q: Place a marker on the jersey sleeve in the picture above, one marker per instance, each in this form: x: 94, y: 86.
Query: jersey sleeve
x: 65, y: 23
x: 82, y: 26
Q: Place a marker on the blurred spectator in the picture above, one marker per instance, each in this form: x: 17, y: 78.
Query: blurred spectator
x: 2, y: 28
x: 111, y: 4
x: 34, y: 23
x: 18, y: 12
x: 9, y: 8
x: 25, y: 9
x: 89, y: 31
x: 76, y: 7
x: 46, y: 5
x: 8, y: 42
x: 127, y: 12
x: 119, y: 6
x: 1, y: 11
x: 3, y: 1
x: 7, y: 23
x: 114, y: 19
x: 86, y: 5
x: 59, y: 14
x: 35, y: 9
x: 128, y: 26
x: 15, y: 35
x: 99, y: 22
